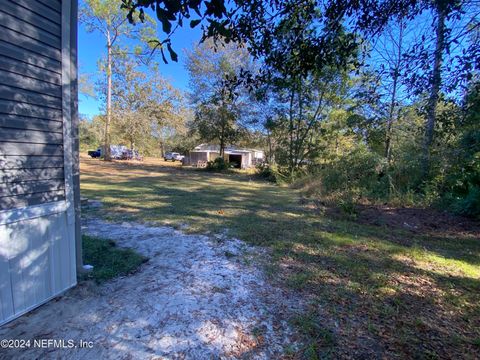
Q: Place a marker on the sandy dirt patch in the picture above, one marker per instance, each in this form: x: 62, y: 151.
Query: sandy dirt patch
x: 196, y: 298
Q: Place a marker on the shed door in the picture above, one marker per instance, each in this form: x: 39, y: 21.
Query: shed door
x: 37, y: 220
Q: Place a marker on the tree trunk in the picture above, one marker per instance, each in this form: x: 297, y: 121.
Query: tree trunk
x: 388, y: 130
x: 436, y: 82
x: 107, y: 155
x: 396, y: 75
x: 291, y: 130
x: 299, y: 138
x: 162, y: 149
x: 222, y: 144
x: 222, y: 132
x: 270, y: 147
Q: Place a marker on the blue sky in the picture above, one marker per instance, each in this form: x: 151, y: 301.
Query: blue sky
x: 91, y: 47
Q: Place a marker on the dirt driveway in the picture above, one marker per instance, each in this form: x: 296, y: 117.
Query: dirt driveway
x: 196, y: 298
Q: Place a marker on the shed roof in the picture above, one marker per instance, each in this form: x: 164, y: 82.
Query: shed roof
x: 228, y: 149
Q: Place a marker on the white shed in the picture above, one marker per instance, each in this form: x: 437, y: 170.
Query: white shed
x: 40, y: 244
x: 243, y: 158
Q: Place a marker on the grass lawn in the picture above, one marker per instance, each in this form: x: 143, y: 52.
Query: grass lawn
x: 373, y: 290
x: 108, y: 261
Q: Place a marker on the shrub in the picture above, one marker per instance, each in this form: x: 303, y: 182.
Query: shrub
x: 459, y: 187
x: 219, y: 164
x: 348, y: 204
x: 360, y: 172
x: 268, y: 172
x: 453, y: 180
x: 470, y: 204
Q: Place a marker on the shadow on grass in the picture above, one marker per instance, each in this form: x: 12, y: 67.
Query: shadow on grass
x: 392, y: 306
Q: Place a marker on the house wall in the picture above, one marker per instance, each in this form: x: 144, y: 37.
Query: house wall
x: 194, y: 157
x: 213, y: 155
x: 249, y: 159
x: 31, y: 127
x: 39, y: 224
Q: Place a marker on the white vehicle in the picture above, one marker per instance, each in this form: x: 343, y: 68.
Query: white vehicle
x: 174, y: 156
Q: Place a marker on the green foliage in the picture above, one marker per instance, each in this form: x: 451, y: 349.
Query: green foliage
x: 458, y: 185
x: 300, y: 107
x: 268, y: 172
x: 108, y: 17
x: 219, y: 164
x: 109, y: 261
x: 222, y: 113
x: 90, y: 133
x: 351, y: 166
x: 348, y: 205
x: 469, y: 204
x: 217, y: 123
x: 360, y: 172
x: 299, y: 37
x: 148, y: 111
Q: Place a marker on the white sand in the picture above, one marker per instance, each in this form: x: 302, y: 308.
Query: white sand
x: 196, y: 298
